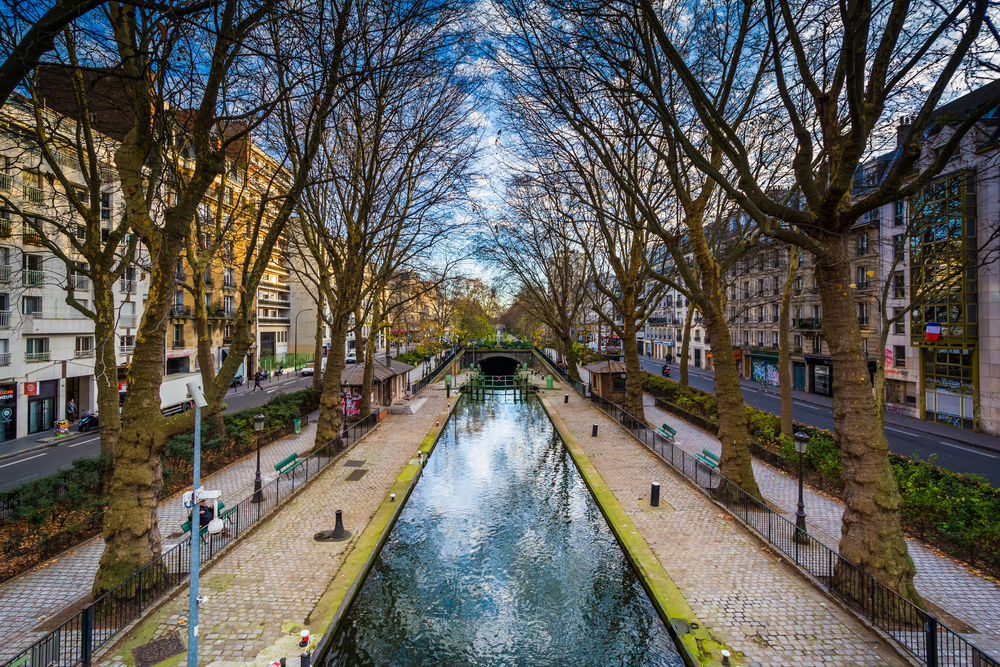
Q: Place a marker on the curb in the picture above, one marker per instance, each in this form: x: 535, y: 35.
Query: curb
x: 33, y: 448
x: 697, y: 646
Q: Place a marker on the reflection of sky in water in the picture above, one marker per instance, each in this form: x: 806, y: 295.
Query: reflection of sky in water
x: 501, y: 557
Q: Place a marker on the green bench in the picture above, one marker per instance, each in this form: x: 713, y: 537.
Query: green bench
x: 224, y: 515
x: 667, y: 432
x: 288, y: 464
x: 708, y: 458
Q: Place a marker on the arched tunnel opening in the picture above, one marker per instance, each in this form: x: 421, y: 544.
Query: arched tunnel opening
x: 498, y: 366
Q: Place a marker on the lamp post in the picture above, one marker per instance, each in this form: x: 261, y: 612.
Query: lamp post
x: 801, y: 446
x: 295, y: 336
x: 258, y: 426
x: 198, y: 398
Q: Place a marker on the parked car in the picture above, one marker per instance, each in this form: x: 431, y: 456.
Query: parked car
x: 308, y: 369
x: 351, y: 358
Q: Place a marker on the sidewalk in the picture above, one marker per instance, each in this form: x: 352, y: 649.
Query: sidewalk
x: 748, y: 598
x: 964, y: 597
x: 30, y: 600
x: 264, y: 588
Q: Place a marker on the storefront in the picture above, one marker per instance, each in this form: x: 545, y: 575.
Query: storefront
x: 8, y: 411
x: 41, y: 404
x: 950, y: 395
x: 820, y: 374
x: 764, y: 368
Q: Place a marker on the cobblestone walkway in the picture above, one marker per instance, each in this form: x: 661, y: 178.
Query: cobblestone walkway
x: 268, y: 583
x: 28, y: 600
x: 751, y: 600
x: 941, y: 581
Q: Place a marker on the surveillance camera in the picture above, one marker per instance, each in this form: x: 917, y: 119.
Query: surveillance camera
x: 196, y: 394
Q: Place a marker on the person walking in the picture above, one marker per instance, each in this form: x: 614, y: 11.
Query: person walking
x: 71, y: 411
x: 256, y: 382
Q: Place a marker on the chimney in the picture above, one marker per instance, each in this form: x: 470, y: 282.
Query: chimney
x: 903, y: 131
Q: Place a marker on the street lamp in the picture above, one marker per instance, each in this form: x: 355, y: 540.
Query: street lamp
x: 801, y: 446
x: 258, y: 426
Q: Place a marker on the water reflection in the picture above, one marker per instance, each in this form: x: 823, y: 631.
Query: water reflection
x: 501, y: 557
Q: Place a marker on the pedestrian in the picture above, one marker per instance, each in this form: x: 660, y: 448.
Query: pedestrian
x: 71, y: 410
x: 256, y: 382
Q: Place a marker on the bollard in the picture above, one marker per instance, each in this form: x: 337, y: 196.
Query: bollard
x: 654, y: 495
x: 594, y: 433
x: 392, y: 497
x: 304, y: 638
x: 725, y: 658
x: 282, y: 662
x: 305, y: 660
x: 447, y: 390
x: 338, y: 529
x: 566, y: 398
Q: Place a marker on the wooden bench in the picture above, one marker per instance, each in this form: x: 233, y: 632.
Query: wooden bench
x: 288, y: 464
x: 667, y: 432
x: 225, y: 516
x: 708, y: 458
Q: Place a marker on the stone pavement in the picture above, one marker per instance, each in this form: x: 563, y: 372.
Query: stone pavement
x: 28, y: 600
x: 265, y: 586
x: 746, y: 594
x: 972, y: 600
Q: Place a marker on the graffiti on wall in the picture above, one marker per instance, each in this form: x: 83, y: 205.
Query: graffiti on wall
x: 764, y: 371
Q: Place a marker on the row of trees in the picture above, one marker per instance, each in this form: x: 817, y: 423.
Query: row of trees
x: 658, y: 145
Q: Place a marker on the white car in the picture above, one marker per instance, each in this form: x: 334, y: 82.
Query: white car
x: 308, y: 369
x: 351, y: 358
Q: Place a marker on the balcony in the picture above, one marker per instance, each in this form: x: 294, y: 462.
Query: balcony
x: 32, y: 277
x: 6, y: 182
x: 862, y: 284
x: 178, y: 343
x: 79, y: 283
x: 222, y: 312
x: 180, y: 310
x: 37, y: 356
x: 33, y: 238
x: 4, y: 273
x: 273, y: 320
x: 83, y: 354
x: 4, y: 358
x: 6, y: 229
x: 284, y: 303
x: 4, y: 319
x: 126, y: 349
x: 810, y: 323
x: 33, y: 195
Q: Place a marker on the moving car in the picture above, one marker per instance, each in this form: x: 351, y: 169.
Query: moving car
x: 308, y: 369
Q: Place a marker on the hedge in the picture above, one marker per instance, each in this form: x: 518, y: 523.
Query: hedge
x: 955, y: 512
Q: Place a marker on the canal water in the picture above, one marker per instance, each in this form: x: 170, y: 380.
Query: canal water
x: 501, y: 557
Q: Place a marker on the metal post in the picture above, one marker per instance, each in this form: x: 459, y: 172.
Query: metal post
x: 258, y: 494
x: 192, y: 660
x: 800, y: 514
x: 593, y: 433
x: 654, y: 495
x: 87, y: 635
x: 931, y: 625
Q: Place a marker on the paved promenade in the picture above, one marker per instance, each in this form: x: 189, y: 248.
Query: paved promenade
x: 751, y: 600
x: 263, y: 588
x: 953, y: 592
x: 30, y: 602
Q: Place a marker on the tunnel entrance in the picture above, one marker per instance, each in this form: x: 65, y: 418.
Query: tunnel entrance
x: 499, y: 366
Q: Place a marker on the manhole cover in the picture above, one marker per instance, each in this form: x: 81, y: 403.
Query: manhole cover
x: 354, y: 464
x: 356, y: 475
x: 330, y: 536
x: 157, y: 650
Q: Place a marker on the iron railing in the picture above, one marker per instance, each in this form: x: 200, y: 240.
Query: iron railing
x: 580, y: 387
x: 74, y: 642
x: 919, y: 633
x: 430, y: 377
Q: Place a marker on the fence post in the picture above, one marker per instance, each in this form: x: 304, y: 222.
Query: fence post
x: 87, y: 635
x: 931, y: 625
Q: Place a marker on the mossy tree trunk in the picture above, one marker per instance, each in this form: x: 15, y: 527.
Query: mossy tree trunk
x: 330, y: 420
x: 685, y: 345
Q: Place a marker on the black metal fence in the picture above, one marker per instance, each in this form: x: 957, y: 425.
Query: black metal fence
x: 917, y: 631
x: 430, y: 377
x: 74, y: 642
x: 581, y: 387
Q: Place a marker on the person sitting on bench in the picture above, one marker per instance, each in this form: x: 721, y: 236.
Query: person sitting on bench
x: 205, y: 515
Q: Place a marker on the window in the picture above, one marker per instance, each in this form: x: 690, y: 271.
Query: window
x: 899, y: 326
x: 760, y: 314
x: 229, y: 277
x: 899, y: 356
x: 774, y: 340
x: 760, y: 339
x: 31, y: 305
x: 208, y: 300
x: 899, y: 246
x: 106, y: 206
x: 36, y: 349
x: 798, y: 284
x: 746, y: 290
x: 760, y: 287
x: 862, y: 277
x: 863, y: 314
x: 84, y: 346
x: 775, y: 312
x: 228, y: 333
x: 862, y: 245
x: 178, y: 335
x: 180, y: 270
x: 898, y: 285
x: 817, y: 345
x: 227, y: 250
x: 746, y: 338
x: 229, y: 303
x: 777, y: 285
x: 797, y: 341
x: 899, y: 214
x: 619, y: 384
x: 817, y: 312
x: 179, y: 299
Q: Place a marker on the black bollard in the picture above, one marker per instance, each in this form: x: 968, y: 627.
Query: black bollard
x: 282, y: 662
x: 338, y: 529
x: 566, y: 398
x: 305, y: 660
x: 447, y: 389
x: 654, y: 495
x: 594, y: 434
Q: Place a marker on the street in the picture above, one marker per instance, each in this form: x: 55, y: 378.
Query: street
x: 37, y: 463
x: 914, y: 440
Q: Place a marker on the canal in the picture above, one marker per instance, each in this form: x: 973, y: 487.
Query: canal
x: 501, y: 557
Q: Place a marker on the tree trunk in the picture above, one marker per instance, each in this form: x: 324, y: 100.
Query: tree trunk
x: 368, y: 377
x: 317, y: 381
x: 632, y: 402
x: 683, y: 362
x: 784, y: 364
x: 571, y: 367
x: 330, y: 420
x: 871, y: 536
x: 106, y: 374
x: 734, y: 435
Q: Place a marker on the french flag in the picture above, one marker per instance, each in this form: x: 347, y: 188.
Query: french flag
x: 933, y: 330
